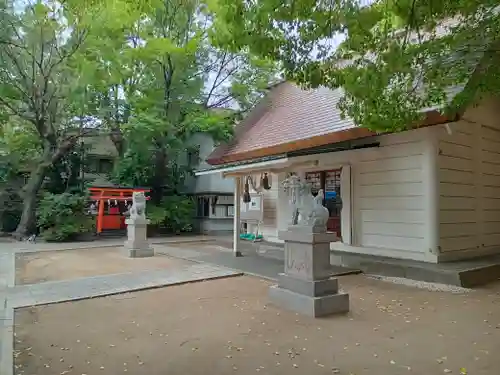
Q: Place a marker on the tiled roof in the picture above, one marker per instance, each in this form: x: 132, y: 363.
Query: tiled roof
x: 288, y: 114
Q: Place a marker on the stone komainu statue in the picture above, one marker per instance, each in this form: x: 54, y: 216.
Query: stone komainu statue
x: 138, y: 209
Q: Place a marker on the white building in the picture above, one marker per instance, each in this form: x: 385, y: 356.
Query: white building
x: 214, y: 194
x: 430, y: 194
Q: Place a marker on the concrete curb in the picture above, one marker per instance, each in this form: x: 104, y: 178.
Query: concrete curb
x: 97, y: 294
x: 7, y: 270
x: 96, y: 244
x: 6, y: 340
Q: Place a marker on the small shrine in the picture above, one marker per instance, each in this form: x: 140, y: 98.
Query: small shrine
x: 111, y: 204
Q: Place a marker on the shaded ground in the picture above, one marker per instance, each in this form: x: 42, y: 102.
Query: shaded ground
x: 225, y: 327
x: 45, y: 266
x: 259, y: 259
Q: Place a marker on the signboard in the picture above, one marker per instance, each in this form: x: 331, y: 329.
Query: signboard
x: 330, y: 195
x: 252, y: 210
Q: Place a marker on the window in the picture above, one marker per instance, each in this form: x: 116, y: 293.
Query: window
x: 203, y: 207
x: 329, y: 182
x: 95, y: 164
x: 105, y: 166
x: 230, y: 211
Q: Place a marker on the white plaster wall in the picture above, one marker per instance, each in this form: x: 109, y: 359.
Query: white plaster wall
x: 268, y: 228
x: 469, y: 184
x: 284, y: 213
x: 391, y: 214
x: 389, y: 210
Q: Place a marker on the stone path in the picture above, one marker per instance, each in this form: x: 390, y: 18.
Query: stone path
x: 266, y: 265
x: 25, y: 247
x: 12, y: 296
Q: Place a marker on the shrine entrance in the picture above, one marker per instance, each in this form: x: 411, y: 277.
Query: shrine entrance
x: 110, y: 205
x: 329, y: 181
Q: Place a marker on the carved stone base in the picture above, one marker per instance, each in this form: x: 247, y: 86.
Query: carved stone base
x: 315, y: 288
x: 307, y: 305
x: 137, y: 245
x: 307, y: 286
x: 134, y: 252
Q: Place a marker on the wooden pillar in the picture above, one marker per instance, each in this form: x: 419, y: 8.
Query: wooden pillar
x: 237, y: 217
x: 100, y: 215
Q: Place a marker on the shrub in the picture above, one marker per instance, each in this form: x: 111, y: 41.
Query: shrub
x: 174, y: 212
x: 61, y: 217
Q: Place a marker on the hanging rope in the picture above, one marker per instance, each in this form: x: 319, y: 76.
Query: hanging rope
x: 263, y: 183
x: 246, y: 191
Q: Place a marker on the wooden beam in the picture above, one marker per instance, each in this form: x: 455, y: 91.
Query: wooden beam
x: 431, y: 118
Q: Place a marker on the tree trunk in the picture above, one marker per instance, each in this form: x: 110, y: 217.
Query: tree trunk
x: 160, y: 169
x: 27, y: 224
x: 118, y: 140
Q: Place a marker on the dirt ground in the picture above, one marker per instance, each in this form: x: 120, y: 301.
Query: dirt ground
x: 227, y: 327
x: 32, y: 268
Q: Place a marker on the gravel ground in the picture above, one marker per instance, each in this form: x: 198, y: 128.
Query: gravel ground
x: 227, y: 327
x: 433, y: 287
x: 32, y: 268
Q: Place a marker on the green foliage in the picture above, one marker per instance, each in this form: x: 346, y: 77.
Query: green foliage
x: 175, y: 213
x: 395, y: 58
x: 10, y: 205
x: 64, y: 175
x: 43, y: 82
x: 144, y: 70
x: 61, y: 217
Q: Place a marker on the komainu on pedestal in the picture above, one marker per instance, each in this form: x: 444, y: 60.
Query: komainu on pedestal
x: 306, y: 286
x: 137, y: 245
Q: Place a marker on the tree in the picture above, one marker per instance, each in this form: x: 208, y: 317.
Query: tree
x: 163, y: 61
x: 42, y: 80
x: 168, y: 82
x: 393, y: 58
x: 19, y: 147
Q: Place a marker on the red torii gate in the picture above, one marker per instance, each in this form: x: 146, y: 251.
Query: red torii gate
x: 102, y: 194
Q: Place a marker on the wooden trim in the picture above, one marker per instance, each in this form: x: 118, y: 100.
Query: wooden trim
x: 346, y: 212
x: 320, y: 140
x: 431, y: 118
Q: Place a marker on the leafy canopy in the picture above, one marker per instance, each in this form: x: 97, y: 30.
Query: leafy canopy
x: 393, y: 58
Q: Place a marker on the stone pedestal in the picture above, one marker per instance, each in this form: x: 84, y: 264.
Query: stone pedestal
x: 137, y: 245
x: 306, y: 286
